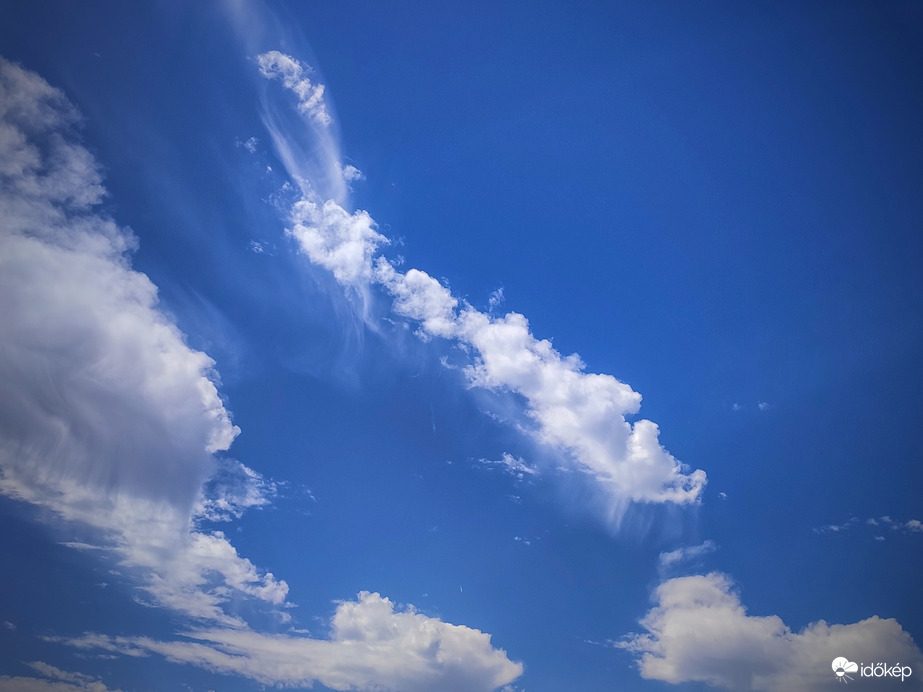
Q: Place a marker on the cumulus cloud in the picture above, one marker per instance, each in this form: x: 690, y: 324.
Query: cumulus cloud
x: 107, y: 416
x: 698, y: 631
x: 582, y: 415
x: 294, y: 76
x: 100, y: 387
x: 339, y: 241
x: 372, y: 646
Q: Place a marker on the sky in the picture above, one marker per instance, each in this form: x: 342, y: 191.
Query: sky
x: 407, y: 347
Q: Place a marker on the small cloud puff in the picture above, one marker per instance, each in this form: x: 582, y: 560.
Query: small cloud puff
x: 514, y: 466
x: 351, y: 173
x: 248, y: 144
x: 232, y: 490
x: 581, y: 415
x: 677, y: 559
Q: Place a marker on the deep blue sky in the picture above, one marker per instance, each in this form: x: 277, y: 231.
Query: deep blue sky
x: 719, y: 205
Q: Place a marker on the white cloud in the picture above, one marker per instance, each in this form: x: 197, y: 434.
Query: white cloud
x: 351, y: 173
x: 250, y: 144
x: 309, y: 154
x: 107, y: 416
x: 232, y: 490
x: 100, y: 387
x: 294, y: 76
x: 514, y: 466
x: 339, y: 241
x: 699, y: 631
x: 495, y: 299
x: 372, y: 646
x: 685, y: 555
x: 909, y: 526
x: 582, y: 415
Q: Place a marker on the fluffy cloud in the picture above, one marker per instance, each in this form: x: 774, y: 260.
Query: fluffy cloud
x: 336, y: 240
x: 853, y: 524
x: 372, y: 646
x: 699, y: 631
x: 107, y: 416
x: 232, y: 490
x: 294, y: 76
x: 100, y: 387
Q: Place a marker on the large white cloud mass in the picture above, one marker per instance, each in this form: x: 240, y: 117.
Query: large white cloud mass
x: 583, y: 415
x: 372, y: 646
x: 700, y: 631
x: 107, y: 416
x: 100, y: 388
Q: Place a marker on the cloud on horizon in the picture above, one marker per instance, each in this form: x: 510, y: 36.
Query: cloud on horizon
x: 699, y: 631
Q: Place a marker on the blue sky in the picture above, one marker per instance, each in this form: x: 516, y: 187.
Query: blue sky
x: 293, y: 295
